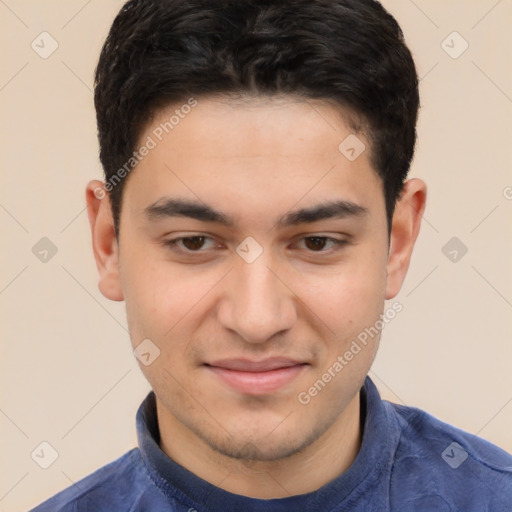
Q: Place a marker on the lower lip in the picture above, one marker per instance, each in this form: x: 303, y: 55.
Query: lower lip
x: 257, y: 383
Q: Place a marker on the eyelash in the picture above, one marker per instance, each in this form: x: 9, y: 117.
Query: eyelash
x: 173, y: 243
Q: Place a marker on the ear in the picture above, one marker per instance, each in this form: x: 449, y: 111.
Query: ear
x: 104, y: 242
x: 404, y: 231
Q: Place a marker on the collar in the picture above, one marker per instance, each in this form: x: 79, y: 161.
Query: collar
x: 374, y: 458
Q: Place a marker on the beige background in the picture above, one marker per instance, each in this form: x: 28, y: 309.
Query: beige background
x: 68, y: 374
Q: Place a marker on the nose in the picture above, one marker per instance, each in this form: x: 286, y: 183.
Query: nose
x: 257, y: 303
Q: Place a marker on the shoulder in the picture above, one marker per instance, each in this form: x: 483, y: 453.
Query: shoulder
x: 124, y: 475
x: 441, y: 464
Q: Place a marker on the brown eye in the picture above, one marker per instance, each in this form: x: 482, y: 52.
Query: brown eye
x: 193, y: 243
x: 322, y: 244
x: 189, y: 244
x: 315, y: 243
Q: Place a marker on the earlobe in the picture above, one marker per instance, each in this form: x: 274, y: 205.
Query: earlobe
x: 404, y: 232
x: 104, y: 242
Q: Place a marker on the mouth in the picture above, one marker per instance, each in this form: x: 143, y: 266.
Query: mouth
x: 256, y: 377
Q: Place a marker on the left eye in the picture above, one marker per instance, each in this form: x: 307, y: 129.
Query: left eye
x: 318, y: 243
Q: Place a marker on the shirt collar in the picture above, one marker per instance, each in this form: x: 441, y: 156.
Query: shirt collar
x: 176, y: 482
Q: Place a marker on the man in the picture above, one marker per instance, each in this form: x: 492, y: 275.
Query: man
x: 255, y: 216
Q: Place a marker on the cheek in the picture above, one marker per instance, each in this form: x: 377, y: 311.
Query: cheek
x: 162, y: 298
x: 153, y: 296
x: 352, y: 295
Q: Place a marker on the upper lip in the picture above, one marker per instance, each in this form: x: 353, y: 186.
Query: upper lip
x: 246, y: 365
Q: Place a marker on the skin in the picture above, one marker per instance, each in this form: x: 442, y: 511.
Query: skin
x: 255, y: 160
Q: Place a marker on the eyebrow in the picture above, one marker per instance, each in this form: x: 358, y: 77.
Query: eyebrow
x: 169, y: 207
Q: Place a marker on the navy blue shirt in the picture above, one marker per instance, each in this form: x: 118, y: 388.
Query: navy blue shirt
x: 408, y: 461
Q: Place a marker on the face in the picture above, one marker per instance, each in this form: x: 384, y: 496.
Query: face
x: 252, y: 253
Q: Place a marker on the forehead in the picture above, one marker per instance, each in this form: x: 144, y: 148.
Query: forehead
x: 277, y: 125
x: 260, y: 153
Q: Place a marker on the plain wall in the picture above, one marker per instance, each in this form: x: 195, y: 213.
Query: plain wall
x: 68, y: 376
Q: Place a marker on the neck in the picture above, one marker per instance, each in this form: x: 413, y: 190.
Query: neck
x: 306, y: 471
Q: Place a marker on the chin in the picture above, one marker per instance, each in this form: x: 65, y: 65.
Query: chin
x: 260, y: 443
x: 260, y: 450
